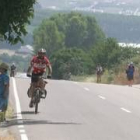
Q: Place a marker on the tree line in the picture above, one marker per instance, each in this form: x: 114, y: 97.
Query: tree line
x: 75, y: 44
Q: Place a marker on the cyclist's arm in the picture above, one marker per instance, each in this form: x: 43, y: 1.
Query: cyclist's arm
x: 29, y: 68
x: 48, y: 66
x: 49, y: 70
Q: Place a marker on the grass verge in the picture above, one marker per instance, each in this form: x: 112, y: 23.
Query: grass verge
x: 5, y: 134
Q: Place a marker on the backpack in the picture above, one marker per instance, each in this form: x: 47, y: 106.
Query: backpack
x: 130, y: 71
x: 99, y: 70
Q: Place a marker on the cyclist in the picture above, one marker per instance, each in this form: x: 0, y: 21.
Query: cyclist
x: 12, y: 70
x: 38, y: 65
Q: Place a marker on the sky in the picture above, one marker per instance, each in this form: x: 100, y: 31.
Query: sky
x: 46, y: 3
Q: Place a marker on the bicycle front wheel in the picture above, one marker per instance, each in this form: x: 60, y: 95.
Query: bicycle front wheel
x: 36, y: 107
x: 36, y: 101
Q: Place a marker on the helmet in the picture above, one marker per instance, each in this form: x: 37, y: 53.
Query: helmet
x: 43, y: 51
x: 13, y: 64
x: 4, y: 66
x: 131, y: 63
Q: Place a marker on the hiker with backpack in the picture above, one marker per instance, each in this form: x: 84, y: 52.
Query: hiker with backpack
x: 130, y: 74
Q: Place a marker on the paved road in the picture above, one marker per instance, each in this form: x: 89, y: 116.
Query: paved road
x: 77, y: 111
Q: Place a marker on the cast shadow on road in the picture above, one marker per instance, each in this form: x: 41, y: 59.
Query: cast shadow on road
x: 28, y: 112
x: 14, y: 122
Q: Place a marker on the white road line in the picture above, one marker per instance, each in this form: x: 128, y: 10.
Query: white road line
x: 86, y: 89
x: 17, y: 99
x: 20, y: 126
x: 126, y: 110
x: 24, y: 137
x: 20, y: 121
x: 18, y: 108
x: 19, y: 116
x: 75, y: 82
x: 101, y: 97
x: 22, y: 131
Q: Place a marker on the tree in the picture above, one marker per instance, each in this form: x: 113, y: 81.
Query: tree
x: 94, y: 33
x: 69, y: 31
x: 73, y: 60
x: 47, y: 36
x: 14, y: 15
x: 75, y: 31
x: 107, y: 54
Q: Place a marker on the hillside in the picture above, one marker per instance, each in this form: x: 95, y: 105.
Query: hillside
x: 97, y: 3
x: 123, y: 28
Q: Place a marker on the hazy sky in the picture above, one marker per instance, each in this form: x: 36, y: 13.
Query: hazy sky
x: 45, y: 3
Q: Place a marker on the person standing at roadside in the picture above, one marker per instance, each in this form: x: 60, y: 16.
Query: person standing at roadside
x: 99, y: 71
x: 130, y: 73
x: 4, y: 89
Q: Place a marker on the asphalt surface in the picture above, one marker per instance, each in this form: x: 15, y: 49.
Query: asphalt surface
x: 76, y: 111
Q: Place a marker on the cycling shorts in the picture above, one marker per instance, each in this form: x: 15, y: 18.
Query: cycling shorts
x: 35, y: 77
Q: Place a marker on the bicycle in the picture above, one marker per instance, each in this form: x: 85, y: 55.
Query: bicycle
x: 37, y: 96
x: 38, y: 93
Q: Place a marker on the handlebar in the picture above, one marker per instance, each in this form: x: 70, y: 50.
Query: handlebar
x: 28, y: 75
x: 44, y: 77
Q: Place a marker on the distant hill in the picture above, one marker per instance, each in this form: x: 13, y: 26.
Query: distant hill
x: 123, y: 28
x: 106, y: 6
x: 46, y: 3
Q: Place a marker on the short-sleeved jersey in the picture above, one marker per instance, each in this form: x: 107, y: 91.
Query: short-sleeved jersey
x: 4, y: 80
x: 39, y: 65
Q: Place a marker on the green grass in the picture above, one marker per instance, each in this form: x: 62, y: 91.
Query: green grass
x: 8, y: 135
x: 84, y: 78
x: 9, y: 113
